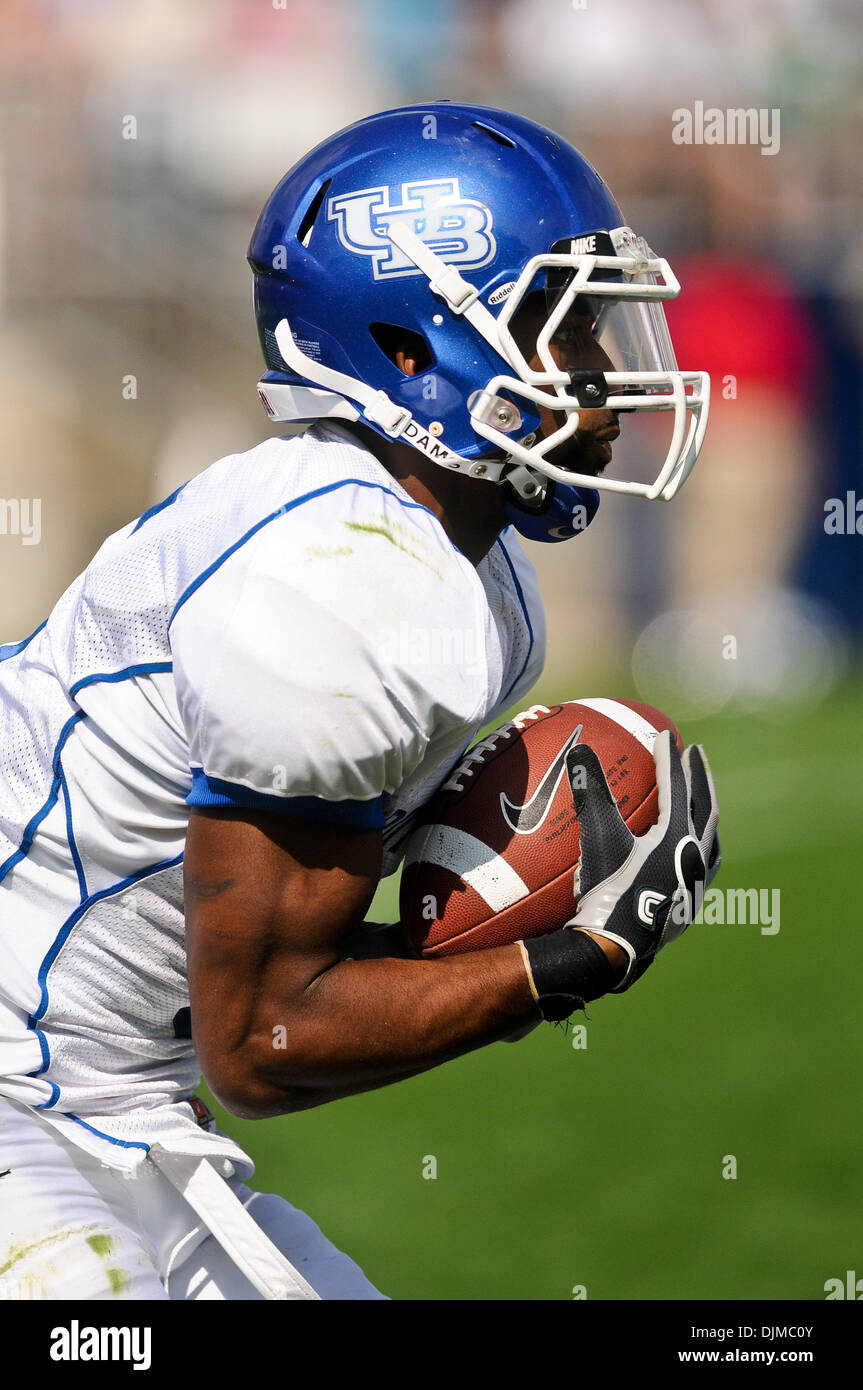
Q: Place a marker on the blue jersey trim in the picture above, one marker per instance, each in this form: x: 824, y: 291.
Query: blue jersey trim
x: 521, y: 600
x: 282, y: 511
x: 33, y: 824
x: 55, y: 1089
x: 158, y: 507
x: 70, y: 835
x: 400, y: 825
x: 43, y: 1047
x: 74, y: 917
x: 121, y: 1143
x: 10, y: 649
x: 55, y: 949
x: 214, y: 791
x: 46, y: 1059
x: 146, y: 668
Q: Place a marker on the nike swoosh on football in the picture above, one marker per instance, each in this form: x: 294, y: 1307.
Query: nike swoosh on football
x: 524, y: 820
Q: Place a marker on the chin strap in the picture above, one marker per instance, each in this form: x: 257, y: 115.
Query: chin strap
x: 377, y: 406
x: 395, y: 420
x: 565, y: 512
x: 540, y: 510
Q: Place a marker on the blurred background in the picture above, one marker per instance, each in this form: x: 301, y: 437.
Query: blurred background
x: 138, y: 144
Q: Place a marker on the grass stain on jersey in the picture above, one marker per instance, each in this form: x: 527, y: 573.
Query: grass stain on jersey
x: 101, y: 1245
x: 16, y: 1253
x: 31, y: 1282
x: 390, y: 534
x: 119, y: 1281
x: 325, y: 552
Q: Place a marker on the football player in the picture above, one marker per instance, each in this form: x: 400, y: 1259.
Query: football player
x: 218, y: 741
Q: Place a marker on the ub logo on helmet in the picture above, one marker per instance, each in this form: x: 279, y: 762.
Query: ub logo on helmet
x: 457, y: 229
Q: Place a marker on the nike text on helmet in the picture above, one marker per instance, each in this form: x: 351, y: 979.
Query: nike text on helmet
x: 438, y: 221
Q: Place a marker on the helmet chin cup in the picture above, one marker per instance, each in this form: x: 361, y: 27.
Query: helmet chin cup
x: 550, y: 511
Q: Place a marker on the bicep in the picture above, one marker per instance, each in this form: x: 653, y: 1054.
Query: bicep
x: 269, y: 899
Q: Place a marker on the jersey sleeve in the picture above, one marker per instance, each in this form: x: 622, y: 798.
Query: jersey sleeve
x: 299, y: 681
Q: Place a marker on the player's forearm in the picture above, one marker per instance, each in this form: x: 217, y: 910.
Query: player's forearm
x: 363, y: 1024
x: 280, y: 1019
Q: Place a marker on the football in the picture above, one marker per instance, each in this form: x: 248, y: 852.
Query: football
x: 495, y: 859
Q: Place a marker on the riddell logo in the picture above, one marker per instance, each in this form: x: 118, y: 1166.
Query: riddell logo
x: 499, y: 295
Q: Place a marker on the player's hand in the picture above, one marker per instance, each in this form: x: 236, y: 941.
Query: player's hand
x: 643, y: 891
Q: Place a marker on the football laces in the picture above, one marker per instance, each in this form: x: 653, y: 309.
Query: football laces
x: 477, y: 754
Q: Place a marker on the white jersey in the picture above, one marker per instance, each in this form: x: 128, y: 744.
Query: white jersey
x: 288, y: 631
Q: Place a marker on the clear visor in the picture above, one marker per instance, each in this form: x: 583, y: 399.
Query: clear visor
x: 634, y: 336
x: 633, y: 332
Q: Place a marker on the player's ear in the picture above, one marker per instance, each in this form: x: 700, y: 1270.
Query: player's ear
x: 407, y: 350
x: 408, y: 364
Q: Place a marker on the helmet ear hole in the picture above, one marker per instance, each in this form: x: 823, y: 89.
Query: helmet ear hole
x: 394, y: 340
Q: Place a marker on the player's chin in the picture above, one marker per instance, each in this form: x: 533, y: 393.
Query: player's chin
x: 586, y: 455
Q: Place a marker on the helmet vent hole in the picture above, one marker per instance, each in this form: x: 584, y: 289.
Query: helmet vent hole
x: 495, y: 135
x: 304, y: 231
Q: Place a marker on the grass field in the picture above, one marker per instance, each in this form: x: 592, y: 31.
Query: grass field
x: 602, y: 1166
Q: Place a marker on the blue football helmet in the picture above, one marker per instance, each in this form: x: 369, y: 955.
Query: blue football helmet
x: 438, y: 221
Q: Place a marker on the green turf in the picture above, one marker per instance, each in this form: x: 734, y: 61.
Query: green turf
x: 603, y: 1166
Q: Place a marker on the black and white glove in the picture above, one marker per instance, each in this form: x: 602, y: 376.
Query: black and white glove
x: 638, y: 891
x: 644, y: 891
